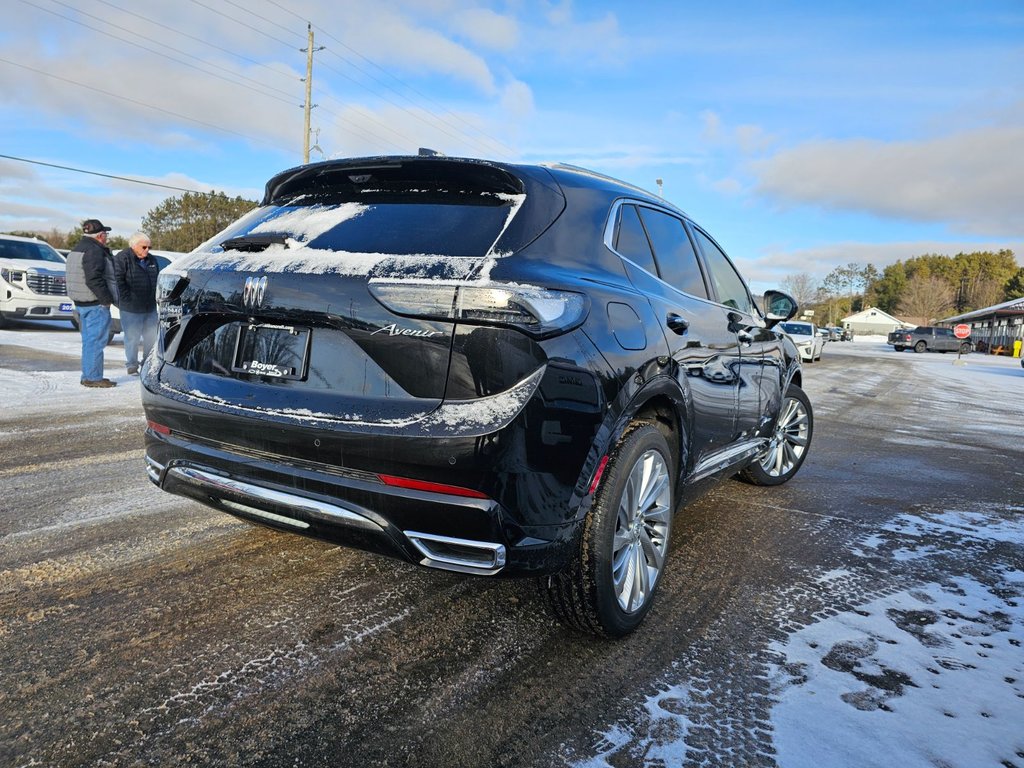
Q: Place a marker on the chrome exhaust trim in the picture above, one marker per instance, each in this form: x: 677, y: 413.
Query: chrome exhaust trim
x: 233, y: 494
x: 154, y: 469
x: 482, y: 558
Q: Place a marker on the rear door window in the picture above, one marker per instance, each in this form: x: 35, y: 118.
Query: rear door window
x: 677, y: 261
x: 631, y: 240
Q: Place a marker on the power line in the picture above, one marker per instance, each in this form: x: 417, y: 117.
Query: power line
x: 244, y: 24
x: 463, y: 136
x: 159, y: 53
x: 192, y: 37
x: 105, y: 175
x: 494, y: 141
x: 140, y: 103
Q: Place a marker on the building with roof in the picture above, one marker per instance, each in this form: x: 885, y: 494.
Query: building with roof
x: 873, y: 322
x: 998, y: 330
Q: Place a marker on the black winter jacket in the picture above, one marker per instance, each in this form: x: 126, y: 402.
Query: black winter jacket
x: 136, y: 281
x: 90, y: 274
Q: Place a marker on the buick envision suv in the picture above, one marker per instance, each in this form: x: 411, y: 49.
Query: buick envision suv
x: 474, y: 366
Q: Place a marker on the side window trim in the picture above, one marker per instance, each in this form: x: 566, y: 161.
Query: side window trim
x: 611, y: 231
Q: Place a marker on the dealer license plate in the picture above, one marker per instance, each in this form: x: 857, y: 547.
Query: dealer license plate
x: 274, y: 351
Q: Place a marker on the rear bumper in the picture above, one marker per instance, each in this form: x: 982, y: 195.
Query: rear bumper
x: 356, y: 509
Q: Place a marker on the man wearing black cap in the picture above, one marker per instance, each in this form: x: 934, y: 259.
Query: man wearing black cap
x: 90, y: 275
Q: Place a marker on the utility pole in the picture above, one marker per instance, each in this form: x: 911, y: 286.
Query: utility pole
x: 309, y: 93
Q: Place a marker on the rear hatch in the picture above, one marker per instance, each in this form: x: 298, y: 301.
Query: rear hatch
x: 302, y: 306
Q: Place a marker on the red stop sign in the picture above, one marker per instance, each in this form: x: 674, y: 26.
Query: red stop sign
x: 962, y: 330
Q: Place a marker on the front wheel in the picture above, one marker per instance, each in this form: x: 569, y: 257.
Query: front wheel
x: 789, y: 443
x: 965, y: 349
x: 609, y: 587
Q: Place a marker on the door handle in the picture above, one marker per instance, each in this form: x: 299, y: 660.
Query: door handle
x: 677, y: 324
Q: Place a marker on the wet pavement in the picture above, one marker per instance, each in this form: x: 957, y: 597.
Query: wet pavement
x: 137, y: 628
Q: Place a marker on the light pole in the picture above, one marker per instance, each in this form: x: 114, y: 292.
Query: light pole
x: 660, y: 184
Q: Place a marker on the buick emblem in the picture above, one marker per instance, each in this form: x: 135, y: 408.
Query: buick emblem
x: 252, y: 294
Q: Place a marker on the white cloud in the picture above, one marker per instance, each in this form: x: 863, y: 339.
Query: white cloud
x: 774, y: 263
x: 486, y: 28
x: 971, y: 180
x: 711, y: 123
x: 748, y: 138
x: 50, y: 198
x: 517, y: 100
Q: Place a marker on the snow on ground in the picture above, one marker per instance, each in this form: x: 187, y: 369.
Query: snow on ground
x: 927, y: 676
x: 53, y: 391
x: 927, y: 673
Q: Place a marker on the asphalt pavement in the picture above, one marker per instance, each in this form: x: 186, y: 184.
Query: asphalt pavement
x: 138, y: 628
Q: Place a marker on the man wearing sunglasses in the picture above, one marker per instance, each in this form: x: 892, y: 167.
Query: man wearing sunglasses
x: 135, y: 271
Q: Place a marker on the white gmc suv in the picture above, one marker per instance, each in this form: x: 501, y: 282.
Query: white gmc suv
x: 32, y: 281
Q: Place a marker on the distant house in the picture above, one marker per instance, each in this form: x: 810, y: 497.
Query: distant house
x: 872, y: 321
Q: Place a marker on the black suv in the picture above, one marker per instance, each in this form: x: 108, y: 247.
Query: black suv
x: 474, y: 366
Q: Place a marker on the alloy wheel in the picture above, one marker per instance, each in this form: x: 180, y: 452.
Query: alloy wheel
x: 789, y: 441
x: 641, y: 531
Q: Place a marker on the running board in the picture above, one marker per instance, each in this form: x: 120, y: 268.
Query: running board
x: 722, y: 460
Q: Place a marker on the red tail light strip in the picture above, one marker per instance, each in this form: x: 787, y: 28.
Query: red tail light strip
x: 423, y: 485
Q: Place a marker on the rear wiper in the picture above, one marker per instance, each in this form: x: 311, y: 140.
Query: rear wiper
x: 253, y: 242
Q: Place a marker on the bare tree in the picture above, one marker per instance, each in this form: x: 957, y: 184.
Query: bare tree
x: 801, y: 287
x: 986, y: 292
x: 925, y: 299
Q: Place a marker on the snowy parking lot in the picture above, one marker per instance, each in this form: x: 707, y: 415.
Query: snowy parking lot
x: 869, y: 613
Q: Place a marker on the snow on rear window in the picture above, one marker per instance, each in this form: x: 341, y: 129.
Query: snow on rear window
x: 305, y: 224
x: 413, y: 240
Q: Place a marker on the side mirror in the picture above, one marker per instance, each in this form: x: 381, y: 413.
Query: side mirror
x: 778, y: 307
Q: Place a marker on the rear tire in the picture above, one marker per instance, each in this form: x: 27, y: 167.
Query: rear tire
x: 610, y: 585
x: 789, y: 443
x: 965, y: 349
x: 898, y: 348
x: 920, y: 347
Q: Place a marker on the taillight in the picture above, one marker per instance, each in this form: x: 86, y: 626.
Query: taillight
x: 170, y: 285
x: 424, y: 485
x: 537, y: 311
x: 158, y: 428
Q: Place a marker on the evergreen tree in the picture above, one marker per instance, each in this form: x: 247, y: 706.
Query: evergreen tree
x: 181, y: 223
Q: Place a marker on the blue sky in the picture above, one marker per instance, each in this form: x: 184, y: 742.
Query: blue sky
x: 802, y: 135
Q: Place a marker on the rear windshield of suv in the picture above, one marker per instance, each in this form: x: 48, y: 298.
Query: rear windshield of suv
x: 16, y: 249
x: 402, y: 228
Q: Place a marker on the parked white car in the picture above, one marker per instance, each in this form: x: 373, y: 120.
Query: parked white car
x: 33, y: 282
x: 806, y: 337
